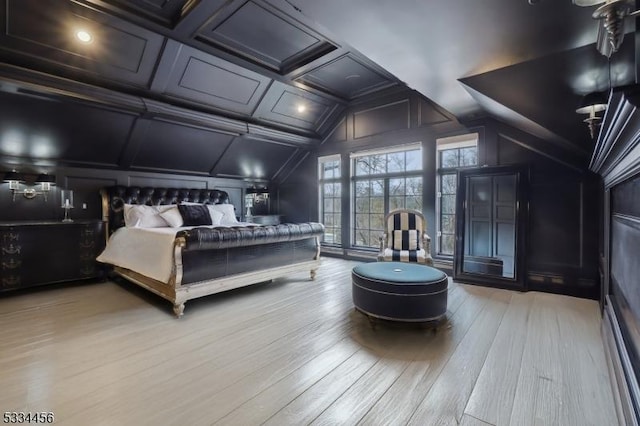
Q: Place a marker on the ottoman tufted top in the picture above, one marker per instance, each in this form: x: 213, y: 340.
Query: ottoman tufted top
x: 399, y: 272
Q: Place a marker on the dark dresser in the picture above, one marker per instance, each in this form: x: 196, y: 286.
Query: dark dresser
x: 46, y: 252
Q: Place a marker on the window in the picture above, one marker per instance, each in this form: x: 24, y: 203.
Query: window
x: 383, y: 180
x: 453, y: 153
x: 330, y: 190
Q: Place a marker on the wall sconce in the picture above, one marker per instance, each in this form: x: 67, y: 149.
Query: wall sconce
x: 15, y: 180
x: 591, y: 104
x: 610, y: 16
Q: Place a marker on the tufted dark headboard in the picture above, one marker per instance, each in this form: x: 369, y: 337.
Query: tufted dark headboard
x: 115, y: 197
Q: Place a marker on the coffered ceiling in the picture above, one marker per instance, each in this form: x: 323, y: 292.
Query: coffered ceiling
x: 220, y: 76
x: 253, y: 85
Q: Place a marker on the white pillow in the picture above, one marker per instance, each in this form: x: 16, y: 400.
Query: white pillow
x: 216, y: 215
x: 227, y: 210
x: 142, y: 216
x: 173, y: 217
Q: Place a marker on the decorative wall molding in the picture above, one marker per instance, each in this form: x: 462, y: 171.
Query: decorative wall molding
x: 617, y: 153
x: 623, y: 379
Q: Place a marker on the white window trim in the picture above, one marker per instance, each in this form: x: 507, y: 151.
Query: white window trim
x: 320, y: 180
x: 364, y: 153
x: 386, y: 150
x: 452, y: 142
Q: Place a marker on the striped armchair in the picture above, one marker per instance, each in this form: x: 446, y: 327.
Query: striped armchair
x: 405, y: 239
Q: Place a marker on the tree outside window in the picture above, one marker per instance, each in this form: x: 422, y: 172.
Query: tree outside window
x: 453, y: 154
x: 383, y: 181
x: 330, y: 196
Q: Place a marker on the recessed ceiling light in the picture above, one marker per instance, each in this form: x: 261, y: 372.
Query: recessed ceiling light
x: 352, y: 77
x: 84, y: 36
x: 302, y: 108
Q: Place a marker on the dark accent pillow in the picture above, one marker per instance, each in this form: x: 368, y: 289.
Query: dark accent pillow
x: 194, y: 215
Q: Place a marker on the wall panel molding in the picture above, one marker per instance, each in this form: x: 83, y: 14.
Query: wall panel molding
x: 616, y: 156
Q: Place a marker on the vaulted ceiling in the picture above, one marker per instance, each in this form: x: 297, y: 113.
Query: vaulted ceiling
x: 526, y: 64
x: 245, y: 88
x: 240, y: 89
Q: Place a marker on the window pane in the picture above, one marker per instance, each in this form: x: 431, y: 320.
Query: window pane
x: 414, y: 160
x: 448, y: 184
x: 449, y: 158
x: 396, y: 186
x: 396, y: 203
x: 362, y: 188
x: 328, y: 205
x: 414, y: 186
x: 377, y: 222
x: 330, y: 200
x: 328, y: 189
x: 378, y: 164
x: 362, y: 166
x: 469, y: 156
x: 395, y: 162
x: 376, y: 205
x: 362, y: 221
x: 328, y: 237
x: 448, y: 204
x: 414, y: 203
x: 362, y: 205
x: 377, y: 187
x: 336, y: 220
x: 446, y: 244
x: 448, y: 223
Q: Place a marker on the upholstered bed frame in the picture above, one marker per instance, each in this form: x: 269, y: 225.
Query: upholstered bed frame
x: 208, y: 261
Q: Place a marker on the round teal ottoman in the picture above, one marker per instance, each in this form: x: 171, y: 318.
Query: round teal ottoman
x: 400, y: 291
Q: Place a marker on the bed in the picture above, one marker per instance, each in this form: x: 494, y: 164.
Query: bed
x: 180, y: 263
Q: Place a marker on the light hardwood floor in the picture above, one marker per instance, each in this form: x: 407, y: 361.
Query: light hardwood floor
x: 294, y: 352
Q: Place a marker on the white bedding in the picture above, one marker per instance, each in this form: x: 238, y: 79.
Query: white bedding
x: 147, y: 251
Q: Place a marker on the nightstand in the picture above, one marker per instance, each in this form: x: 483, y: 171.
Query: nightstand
x: 46, y: 252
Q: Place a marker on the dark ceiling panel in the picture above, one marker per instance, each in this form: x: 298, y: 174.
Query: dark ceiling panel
x: 164, y: 12
x: 250, y: 158
x: 41, y: 129
x: 200, y: 77
x: 346, y: 77
x: 173, y: 147
x: 46, y: 31
x: 383, y: 118
x: 260, y: 33
x: 292, y: 106
x: 428, y: 114
x: 540, y: 88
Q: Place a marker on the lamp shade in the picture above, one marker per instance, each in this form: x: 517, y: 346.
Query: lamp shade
x: 252, y: 190
x: 13, y: 176
x: 45, y: 178
x: 592, y: 102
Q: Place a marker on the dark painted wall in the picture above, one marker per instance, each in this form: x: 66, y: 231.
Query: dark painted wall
x: 564, y: 214
x: 562, y: 254
x: 400, y: 117
x: 86, y: 184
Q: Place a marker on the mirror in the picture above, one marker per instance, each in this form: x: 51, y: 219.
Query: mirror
x: 491, y: 217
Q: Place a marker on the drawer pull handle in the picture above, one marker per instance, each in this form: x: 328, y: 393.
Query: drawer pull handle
x: 11, y: 249
x: 11, y: 264
x: 11, y: 281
